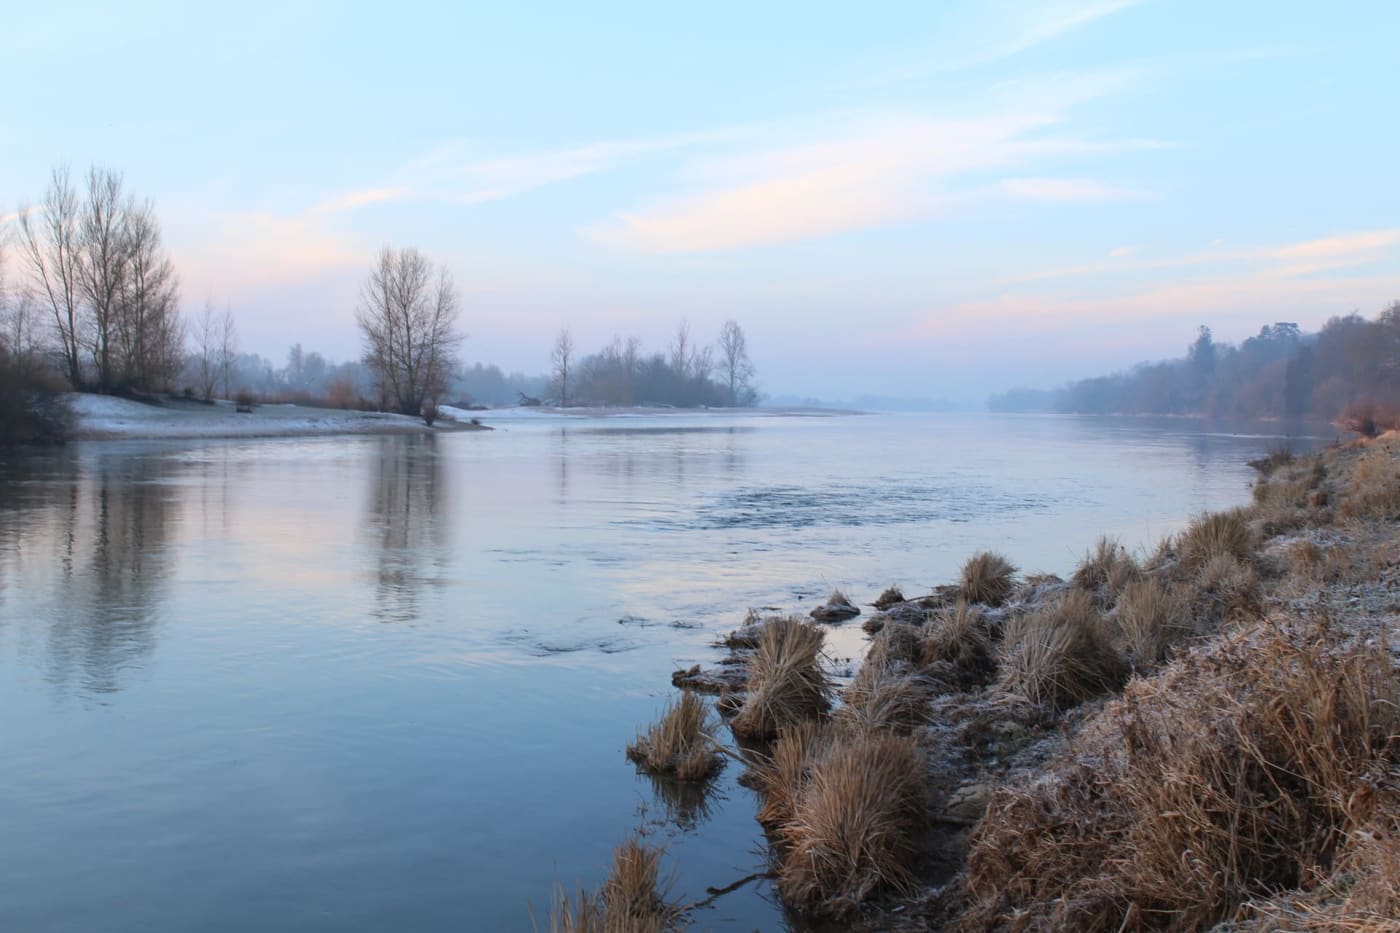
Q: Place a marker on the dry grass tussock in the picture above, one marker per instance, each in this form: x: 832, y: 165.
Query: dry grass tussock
x: 884, y: 699
x: 1106, y: 569
x: 1214, y: 535
x: 633, y: 899
x: 987, y: 578
x: 1152, y: 616
x: 1260, y: 766
x: 897, y: 643
x: 1059, y: 655
x: 854, y: 824
x: 681, y: 743
x: 779, y: 779
x: 1226, y: 590
x: 1362, y: 894
x: 959, y: 636
x: 1373, y: 494
x: 1314, y: 563
x: 786, y: 681
x: 1291, y: 496
x: 891, y: 596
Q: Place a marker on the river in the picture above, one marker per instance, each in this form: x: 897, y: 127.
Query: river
x: 371, y: 683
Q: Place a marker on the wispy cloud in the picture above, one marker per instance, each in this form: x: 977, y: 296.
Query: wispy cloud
x: 453, y: 174
x: 1332, y: 252
x: 869, y: 172
x: 1308, y: 278
x: 983, y: 33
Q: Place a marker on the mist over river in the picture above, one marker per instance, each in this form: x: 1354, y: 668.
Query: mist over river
x: 370, y: 683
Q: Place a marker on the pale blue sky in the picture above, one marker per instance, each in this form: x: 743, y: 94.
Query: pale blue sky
x: 915, y: 199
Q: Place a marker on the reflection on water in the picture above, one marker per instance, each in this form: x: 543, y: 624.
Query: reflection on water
x: 407, y: 517
x: 253, y: 749
x: 96, y: 532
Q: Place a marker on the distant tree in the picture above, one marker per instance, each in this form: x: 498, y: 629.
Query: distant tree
x: 101, y: 268
x: 682, y: 354
x: 228, y: 347
x: 206, y: 351
x: 562, y: 363
x: 735, y: 368
x: 149, y: 328
x: 408, y: 319
x: 48, y: 234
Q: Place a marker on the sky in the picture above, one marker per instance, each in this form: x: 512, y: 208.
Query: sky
x: 928, y: 199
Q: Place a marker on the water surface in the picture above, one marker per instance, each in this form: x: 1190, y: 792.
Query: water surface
x: 370, y: 683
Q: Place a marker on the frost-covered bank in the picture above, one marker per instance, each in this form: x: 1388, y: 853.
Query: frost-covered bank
x: 1208, y: 734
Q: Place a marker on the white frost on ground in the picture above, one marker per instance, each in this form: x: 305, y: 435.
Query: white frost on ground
x: 102, y: 416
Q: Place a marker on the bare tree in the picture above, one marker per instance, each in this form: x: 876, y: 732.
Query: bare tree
x: 206, y: 349
x: 562, y: 358
x: 48, y: 236
x: 734, y: 365
x: 682, y: 354
x: 149, y: 329
x: 228, y: 346
x: 408, y: 318
x: 102, y: 265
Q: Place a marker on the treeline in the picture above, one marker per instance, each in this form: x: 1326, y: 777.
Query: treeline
x: 1351, y: 363
x: 687, y: 375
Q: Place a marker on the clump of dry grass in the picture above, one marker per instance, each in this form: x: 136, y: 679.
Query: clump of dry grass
x: 1152, y: 616
x: 779, y: 779
x: 1362, y: 894
x: 891, y: 596
x: 633, y: 899
x: 987, y: 578
x: 1107, y: 568
x: 1059, y: 655
x: 681, y: 743
x: 786, y: 681
x: 958, y: 636
x: 882, y: 699
x: 1310, y: 561
x: 854, y: 824
x: 582, y: 914
x: 1226, y: 590
x: 1374, y: 490
x: 1214, y: 535
x: 896, y: 643
x: 1236, y: 774
x: 837, y: 608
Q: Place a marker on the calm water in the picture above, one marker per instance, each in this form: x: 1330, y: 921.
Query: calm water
x: 358, y: 684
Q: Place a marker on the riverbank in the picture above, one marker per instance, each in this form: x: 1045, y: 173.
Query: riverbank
x: 104, y: 417
x: 1204, y: 735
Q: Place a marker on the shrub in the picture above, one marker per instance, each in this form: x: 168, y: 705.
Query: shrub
x: 1368, y: 418
x: 786, y: 681
x: 854, y: 824
x: 987, y: 578
x: 681, y: 743
x: 1058, y: 655
x: 34, y: 408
